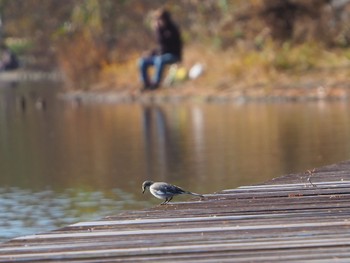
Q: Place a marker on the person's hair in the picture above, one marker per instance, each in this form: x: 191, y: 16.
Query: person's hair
x: 162, y: 14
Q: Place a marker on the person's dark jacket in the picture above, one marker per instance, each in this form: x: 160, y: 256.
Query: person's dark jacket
x: 169, y: 40
x: 12, y: 63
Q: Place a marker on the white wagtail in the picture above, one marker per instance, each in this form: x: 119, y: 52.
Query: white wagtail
x: 165, y: 191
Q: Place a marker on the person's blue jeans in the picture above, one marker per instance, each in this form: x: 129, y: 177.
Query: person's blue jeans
x: 159, y: 62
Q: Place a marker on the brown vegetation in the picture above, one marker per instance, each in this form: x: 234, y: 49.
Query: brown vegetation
x: 244, y: 44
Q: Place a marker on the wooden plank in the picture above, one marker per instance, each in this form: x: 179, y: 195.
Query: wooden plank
x: 264, y: 187
x: 223, y: 247
x: 285, y: 219
x: 168, y: 231
x: 195, y: 219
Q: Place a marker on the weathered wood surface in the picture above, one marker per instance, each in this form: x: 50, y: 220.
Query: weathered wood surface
x: 287, y: 219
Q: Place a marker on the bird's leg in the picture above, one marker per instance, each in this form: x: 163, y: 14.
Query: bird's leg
x: 166, y: 200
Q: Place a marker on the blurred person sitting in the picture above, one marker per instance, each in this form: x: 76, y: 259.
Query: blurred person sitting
x: 8, y: 59
x: 169, y: 49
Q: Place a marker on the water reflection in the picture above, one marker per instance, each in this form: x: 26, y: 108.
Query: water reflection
x: 163, y: 138
x: 61, y: 163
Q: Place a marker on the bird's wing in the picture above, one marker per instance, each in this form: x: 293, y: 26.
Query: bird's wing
x: 172, y: 189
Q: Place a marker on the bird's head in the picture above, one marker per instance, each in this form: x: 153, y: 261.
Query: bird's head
x: 146, y: 185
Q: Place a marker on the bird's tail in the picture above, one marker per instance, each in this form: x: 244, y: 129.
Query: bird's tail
x: 190, y: 193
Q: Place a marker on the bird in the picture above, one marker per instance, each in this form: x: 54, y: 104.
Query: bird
x: 165, y: 191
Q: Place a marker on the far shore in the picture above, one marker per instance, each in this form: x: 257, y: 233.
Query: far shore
x: 178, y: 94
x: 307, y: 88
x: 327, y: 83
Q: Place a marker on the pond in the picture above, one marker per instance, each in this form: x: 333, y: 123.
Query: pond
x: 64, y: 162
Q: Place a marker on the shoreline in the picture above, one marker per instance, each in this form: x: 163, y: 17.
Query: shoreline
x: 303, y: 90
x: 184, y: 94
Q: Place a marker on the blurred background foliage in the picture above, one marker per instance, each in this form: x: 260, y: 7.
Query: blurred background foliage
x: 94, y: 41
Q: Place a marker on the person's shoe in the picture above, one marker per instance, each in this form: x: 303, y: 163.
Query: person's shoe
x: 145, y: 88
x: 154, y: 87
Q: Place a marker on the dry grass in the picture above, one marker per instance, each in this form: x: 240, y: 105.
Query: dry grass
x: 241, y: 70
x: 119, y: 76
x: 80, y: 59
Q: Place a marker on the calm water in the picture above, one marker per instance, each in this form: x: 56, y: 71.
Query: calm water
x: 61, y: 163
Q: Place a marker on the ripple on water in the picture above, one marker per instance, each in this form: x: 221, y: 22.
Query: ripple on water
x: 24, y: 212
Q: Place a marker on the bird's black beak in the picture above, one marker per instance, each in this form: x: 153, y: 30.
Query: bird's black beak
x: 143, y: 191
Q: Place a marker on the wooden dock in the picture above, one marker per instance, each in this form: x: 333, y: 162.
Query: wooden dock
x: 289, y: 219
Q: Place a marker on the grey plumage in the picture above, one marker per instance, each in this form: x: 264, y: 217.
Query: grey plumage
x: 165, y: 191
